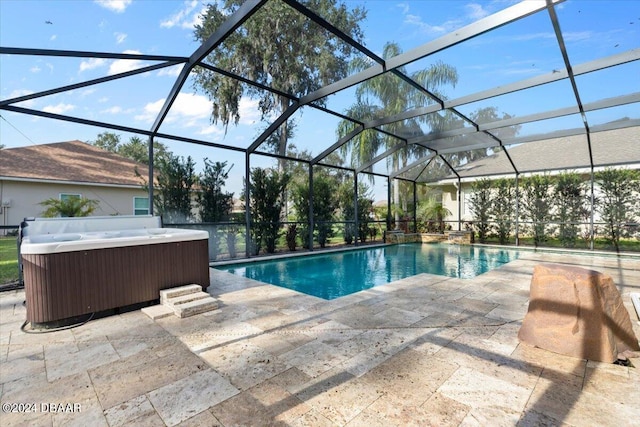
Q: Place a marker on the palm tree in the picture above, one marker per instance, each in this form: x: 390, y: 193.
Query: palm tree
x: 69, y: 207
x: 387, y: 95
x: 431, y: 210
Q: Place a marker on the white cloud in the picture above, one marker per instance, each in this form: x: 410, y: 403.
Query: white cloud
x: 186, y: 108
x: 173, y: 71
x: 92, y: 63
x: 53, y: 37
x: 116, y: 109
x: 475, y: 11
x: 211, y: 130
x: 431, y: 29
x: 112, y: 110
x: 22, y: 92
x: 116, y: 66
x: 59, y: 109
x: 526, y: 71
x: 117, y: 6
x: 103, y: 100
x: 120, y: 37
x: 19, y: 92
x: 249, y: 111
x: 124, y: 65
x: 87, y: 92
x: 35, y: 69
x: 185, y: 17
x: 575, y: 36
x: 533, y: 36
x: 191, y: 105
x: 192, y: 110
x: 404, y: 7
x: 196, y: 19
x: 150, y: 112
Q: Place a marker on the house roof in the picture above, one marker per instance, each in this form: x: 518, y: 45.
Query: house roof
x: 612, y: 147
x: 71, y: 161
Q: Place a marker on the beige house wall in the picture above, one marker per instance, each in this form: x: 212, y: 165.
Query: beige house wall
x: 25, y: 196
x: 450, y: 202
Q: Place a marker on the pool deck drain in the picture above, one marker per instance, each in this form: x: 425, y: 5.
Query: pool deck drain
x: 425, y: 350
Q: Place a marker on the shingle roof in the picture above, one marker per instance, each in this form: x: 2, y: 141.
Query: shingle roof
x: 73, y: 161
x: 619, y: 146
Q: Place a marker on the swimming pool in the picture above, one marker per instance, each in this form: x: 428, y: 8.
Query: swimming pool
x: 331, y: 276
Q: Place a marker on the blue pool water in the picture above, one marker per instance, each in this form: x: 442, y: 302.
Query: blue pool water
x: 334, y: 275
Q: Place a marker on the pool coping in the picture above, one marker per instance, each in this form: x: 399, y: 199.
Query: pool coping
x: 271, y: 257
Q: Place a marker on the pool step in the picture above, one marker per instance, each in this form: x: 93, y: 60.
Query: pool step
x: 179, y: 291
x: 182, y: 301
x: 194, y: 307
x: 157, y: 311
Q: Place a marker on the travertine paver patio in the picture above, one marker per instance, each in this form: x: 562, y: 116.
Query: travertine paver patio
x: 427, y: 350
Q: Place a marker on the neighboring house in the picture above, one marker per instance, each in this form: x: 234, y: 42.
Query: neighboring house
x: 29, y: 175
x: 619, y: 147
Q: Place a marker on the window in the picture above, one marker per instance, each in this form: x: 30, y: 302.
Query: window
x: 141, y: 206
x: 68, y: 196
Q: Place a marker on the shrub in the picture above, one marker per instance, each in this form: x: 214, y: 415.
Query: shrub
x: 537, y: 205
x: 502, y: 202
x: 618, y: 201
x: 292, y: 234
x: 570, y: 206
x: 480, y: 206
x: 215, y: 204
x: 266, y: 188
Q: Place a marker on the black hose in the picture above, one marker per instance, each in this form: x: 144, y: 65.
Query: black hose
x: 61, y: 328
x: 11, y: 286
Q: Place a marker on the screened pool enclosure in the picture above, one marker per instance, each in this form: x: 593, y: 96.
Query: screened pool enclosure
x: 408, y: 133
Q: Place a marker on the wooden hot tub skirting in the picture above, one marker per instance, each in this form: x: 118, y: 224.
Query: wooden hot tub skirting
x: 69, y: 284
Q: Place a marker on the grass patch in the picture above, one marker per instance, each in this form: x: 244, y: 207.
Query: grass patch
x: 8, y: 260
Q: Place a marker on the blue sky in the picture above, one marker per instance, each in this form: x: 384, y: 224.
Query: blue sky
x: 592, y: 29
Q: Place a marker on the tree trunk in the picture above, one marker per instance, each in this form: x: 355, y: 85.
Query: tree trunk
x: 282, y: 151
x: 284, y: 135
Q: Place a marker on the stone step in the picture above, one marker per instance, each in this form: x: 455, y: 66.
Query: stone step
x: 183, y: 299
x: 158, y: 311
x: 178, y: 291
x: 195, y: 307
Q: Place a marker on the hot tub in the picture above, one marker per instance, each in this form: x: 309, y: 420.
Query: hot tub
x: 67, y: 275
